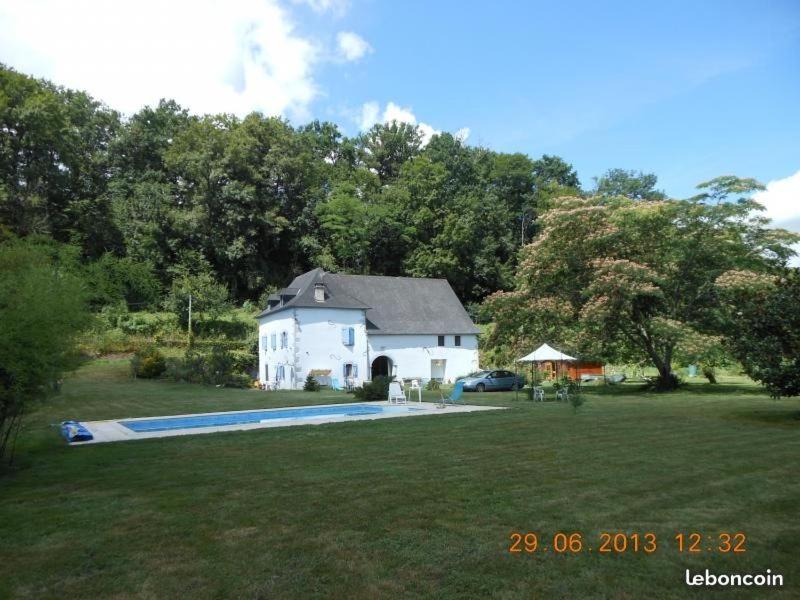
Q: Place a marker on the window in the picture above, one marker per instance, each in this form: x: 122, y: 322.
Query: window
x: 441, y: 340
x: 319, y: 292
x: 457, y: 340
x: 273, y: 339
x: 264, y: 343
x: 284, y: 339
x: 348, y: 336
x: 350, y: 370
x: 279, y: 373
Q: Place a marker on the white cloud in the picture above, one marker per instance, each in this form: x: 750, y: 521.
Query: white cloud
x: 352, y: 46
x: 782, y: 202
x: 397, y: 113
x: 237, y: 56
x: 337, y: 7
x: 462, y: 134
x: 371, y: 113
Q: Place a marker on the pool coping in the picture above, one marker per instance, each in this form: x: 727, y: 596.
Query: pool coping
x: 112, y: 430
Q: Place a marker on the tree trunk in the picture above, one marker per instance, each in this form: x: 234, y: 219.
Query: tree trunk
x: 666, y: 380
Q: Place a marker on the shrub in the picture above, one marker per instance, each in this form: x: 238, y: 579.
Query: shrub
x: 537, y: 377
x: 148, y: 363
x: 218, y: 366
x: 576, y: 400
x: 221, y: 327
x: 375, y: 390
x: 564, y: 382
x: 239, y: 380
x: 431, y: 386
x: 215, y: 368
x: 244, y: 361
x: 659, y: 385
x: 311, y: 384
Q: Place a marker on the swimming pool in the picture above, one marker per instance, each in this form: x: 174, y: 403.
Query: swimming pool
x: 256, y: 416
x: 140, y: 428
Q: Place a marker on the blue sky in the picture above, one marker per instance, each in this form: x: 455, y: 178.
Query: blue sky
x: 688, y: 90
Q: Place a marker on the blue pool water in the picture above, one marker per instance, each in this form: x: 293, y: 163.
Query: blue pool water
x: 255, y: 416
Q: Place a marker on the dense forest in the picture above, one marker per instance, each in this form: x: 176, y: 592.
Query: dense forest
x: 251, y: 202
x: 110, y: 224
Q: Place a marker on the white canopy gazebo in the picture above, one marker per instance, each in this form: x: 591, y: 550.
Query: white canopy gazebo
x: 546, y: 353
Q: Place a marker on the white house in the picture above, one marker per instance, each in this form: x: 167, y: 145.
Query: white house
x: 358, y: 326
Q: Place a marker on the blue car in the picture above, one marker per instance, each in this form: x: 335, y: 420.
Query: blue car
x: 486, y: 381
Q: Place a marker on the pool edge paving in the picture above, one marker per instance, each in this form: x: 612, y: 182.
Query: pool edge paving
x: 114, y: 431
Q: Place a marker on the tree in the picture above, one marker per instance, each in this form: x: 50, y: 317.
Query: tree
x: 386, y: 147
x: 631, y: 184
x: 42, y: 309
x: 554, y: 170
x: 113, y: 279
x: 311, y: 384
x: 630, y: 281
x: 54, y: 163
x: 208, y: 297
x: 763, y: 327
x: 344, y: 220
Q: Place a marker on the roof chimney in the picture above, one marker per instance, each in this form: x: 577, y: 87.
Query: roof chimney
x: 319, y: 292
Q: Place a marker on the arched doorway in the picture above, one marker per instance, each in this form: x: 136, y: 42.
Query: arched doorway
x: 381, y: 366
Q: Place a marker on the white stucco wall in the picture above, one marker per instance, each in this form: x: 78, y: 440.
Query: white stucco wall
x: 314, y: 342
x: 412, y: 354
x: 314, y: 338
x: 277, y: 324
x: 320, y: 346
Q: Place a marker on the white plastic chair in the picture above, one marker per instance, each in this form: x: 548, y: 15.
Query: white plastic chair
x: 396, y: 395
x: 538, y: 394
x: 415, y: 387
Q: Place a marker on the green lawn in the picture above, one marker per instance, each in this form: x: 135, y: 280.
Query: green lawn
x: 419, y: 507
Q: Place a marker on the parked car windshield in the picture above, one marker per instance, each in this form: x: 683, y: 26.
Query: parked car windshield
x: 479, y: 375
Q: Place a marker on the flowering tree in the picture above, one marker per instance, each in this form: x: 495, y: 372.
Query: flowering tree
x: 634, y: 281
x: 764, y: 312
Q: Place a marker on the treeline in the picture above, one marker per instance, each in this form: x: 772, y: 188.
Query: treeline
x: 251, y: 202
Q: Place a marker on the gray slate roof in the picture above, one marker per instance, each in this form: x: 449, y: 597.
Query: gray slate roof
x: 394, y: 305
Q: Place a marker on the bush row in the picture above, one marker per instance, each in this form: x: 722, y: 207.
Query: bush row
x: 218, y: 367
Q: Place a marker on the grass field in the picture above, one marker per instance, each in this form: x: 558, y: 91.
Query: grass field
x: 419, y: 507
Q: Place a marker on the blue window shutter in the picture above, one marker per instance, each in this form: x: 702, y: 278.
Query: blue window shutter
x: 264, y: 342
x: 274, y: 344
x: 351, y: 335
x: 344, y: 336
x: 355, y: 371
x: 344, y: 371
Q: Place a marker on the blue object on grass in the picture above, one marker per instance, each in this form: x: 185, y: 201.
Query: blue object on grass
x: 455, y: 395
x: 75, y: 432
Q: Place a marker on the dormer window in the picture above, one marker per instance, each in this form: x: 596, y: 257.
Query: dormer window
x: 319, y: 292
